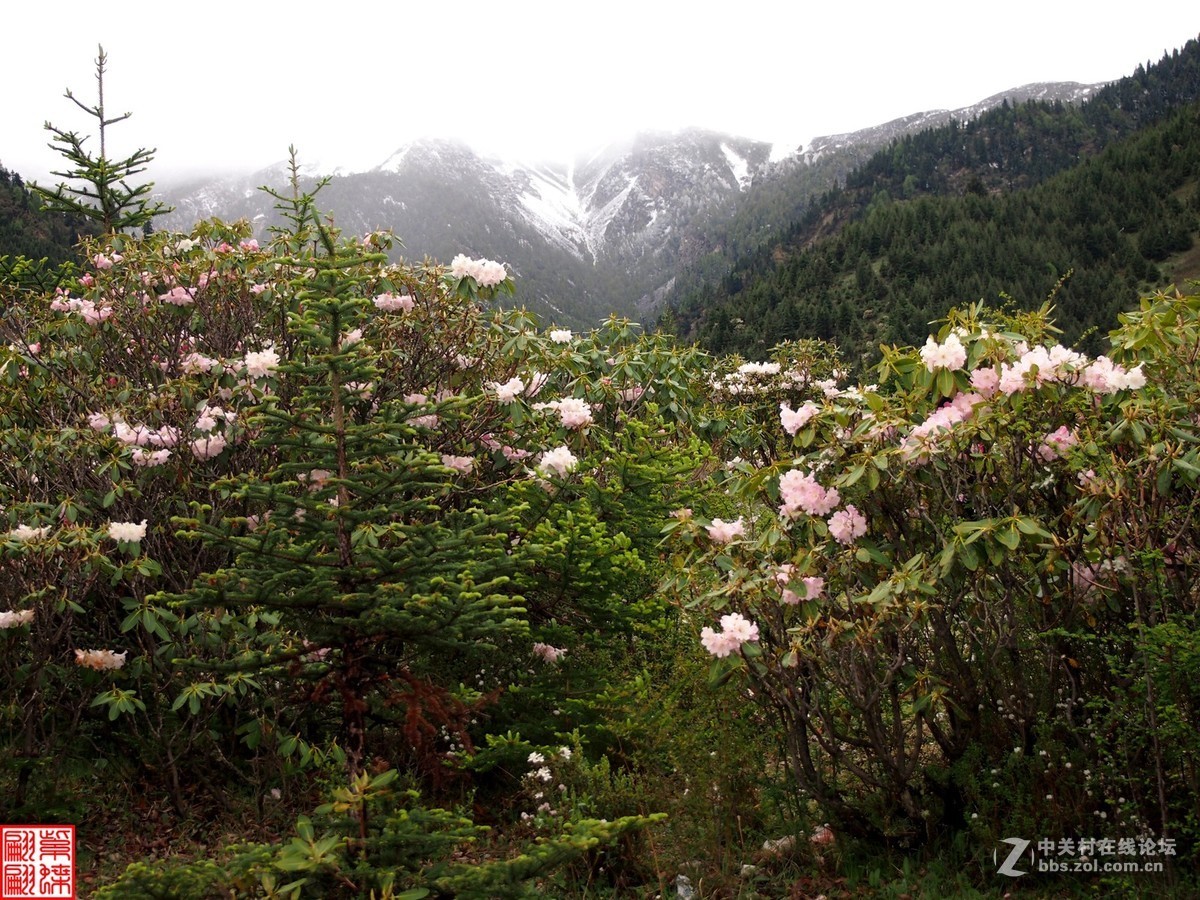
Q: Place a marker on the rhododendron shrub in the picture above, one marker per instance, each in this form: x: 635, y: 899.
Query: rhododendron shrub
x: 923, y: 595
x: 250, y: 428
x: 98, y: 416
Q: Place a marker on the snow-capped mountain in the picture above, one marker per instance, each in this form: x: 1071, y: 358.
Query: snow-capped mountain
x: 603, y: 233
x: 580, y: 236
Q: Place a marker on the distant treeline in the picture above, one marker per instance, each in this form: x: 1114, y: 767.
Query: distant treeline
x: 1007, y: 204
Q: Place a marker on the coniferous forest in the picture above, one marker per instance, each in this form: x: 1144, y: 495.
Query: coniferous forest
x: 327, y: 576
x: 1010, y: 204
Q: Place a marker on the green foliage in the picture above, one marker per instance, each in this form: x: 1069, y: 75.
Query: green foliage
x: 375, y: 842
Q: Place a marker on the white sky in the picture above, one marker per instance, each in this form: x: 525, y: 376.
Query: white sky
x: 232, y: 85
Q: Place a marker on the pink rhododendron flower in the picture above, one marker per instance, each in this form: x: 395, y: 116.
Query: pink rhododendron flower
x: 179, y: 296
x: 460, y: 266
x: 1056, y: 444
x: 126, y: 434
x: 463, y: 464
x: 950, y: 355
x: 166, y: 436
x: 922, y: 440
x: 800, y: 491
x: 209, y: 446
x: 1106, y: 377
x: 249, y: 245
x: 740, y: 627
x: 14, y: 619
x: 196, y: 364
x: 98, y: 422
x: 548, y: 653
x: 100, y: 659
x: 490, y: 273
x: 486, y: 272
x: 985, y: 380
x: 736, y: 630
x: 847, y: 525
x: 92, y: 314
x: 1090, y: 482
x: 426, y: 421
x: 391, y: 303
x: 814, y: 586
x: 149, y: 458
x: 102, y: 262
x: 795, y: 419
x: 1040, y: 365
x: 723, y: 532
x: 537, y: 381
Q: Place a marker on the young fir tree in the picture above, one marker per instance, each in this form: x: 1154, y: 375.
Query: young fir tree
x: 102, y: 191
x: 372, y: 556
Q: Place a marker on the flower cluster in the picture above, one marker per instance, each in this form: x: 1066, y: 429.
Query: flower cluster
x: 922, y: 439
x: 12, y: 618
x: 813, y: 585
x: 723, y: 532
x: 801, y: 492
x: 485, y: 272
x: 951, y: 354
x: 392, y: 303
x: 735, y: 631
x: 261, y: 363
x: 461, y: 464
x: 795, y: 419
x: 847, y: 525
x: 127, y: 531
x: 26, y: 533
x: 100, y: 659
x: 1056, y: 444
x: 92, y: 313
x: 573, y: 412
x: 559, y: 461
x: 547, y: 653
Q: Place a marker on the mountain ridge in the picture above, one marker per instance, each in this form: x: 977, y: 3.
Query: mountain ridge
x: 602, y: 233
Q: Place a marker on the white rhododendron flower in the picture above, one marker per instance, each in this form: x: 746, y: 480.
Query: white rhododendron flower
x: 127, y: 531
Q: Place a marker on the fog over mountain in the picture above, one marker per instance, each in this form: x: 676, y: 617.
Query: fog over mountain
x: 603, y: 233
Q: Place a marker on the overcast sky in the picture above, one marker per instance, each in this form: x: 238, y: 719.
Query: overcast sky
x: 232, y: 85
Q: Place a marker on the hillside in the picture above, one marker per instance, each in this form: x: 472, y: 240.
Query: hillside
x: 1005, y: 204
x: 25, y: 230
